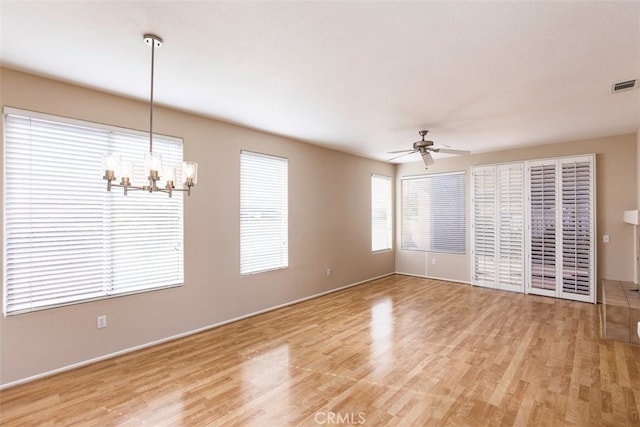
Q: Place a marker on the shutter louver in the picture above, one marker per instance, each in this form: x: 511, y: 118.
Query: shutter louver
x: 263, y: 213
x: 67, y: 239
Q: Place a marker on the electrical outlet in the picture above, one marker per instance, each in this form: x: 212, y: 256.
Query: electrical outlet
x: 434, y: 261
x: 328, y: 272
x: 101, y: 321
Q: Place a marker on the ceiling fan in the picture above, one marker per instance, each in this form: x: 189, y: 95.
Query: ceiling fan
x: 425, y: 148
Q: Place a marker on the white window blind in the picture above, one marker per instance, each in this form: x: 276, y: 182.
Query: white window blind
x: 67, y: 239
x: 263, y: 213
x: 381, y: 206
x: 433, y: 213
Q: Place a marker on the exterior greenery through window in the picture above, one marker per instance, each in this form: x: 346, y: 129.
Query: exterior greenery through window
x: 264, y: 214
x: 434, y: 213
x: 67, y: 239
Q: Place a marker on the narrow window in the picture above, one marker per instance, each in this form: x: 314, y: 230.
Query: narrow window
x: 264, y: 227
x: 381, y: 219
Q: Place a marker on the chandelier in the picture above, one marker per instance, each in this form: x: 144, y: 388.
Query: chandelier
x: 153, y: 161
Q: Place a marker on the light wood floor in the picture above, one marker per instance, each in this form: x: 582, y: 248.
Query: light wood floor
x: 395, y: 351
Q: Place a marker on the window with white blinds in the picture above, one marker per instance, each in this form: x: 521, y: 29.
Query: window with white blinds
x: 67, y: 239
x: 498, y: 224
x: 381, y: 207
x: 264, y: 226
x: 433, y: 213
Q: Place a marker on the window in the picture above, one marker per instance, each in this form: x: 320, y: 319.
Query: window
x: 433, y: 213
x: 381, y: 219
x: 263, y: 213
x: 67, y: 239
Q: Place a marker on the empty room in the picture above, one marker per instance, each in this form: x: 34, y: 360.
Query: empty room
x: 307, y: 213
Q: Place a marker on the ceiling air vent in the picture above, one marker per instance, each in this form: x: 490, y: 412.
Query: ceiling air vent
x: 624, y: 86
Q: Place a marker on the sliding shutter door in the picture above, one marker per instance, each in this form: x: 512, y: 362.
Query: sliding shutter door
x: 498, y: 226
x: 577, y: 230
x: 484, y: 226
x: 542, y: 236
x: 511, y: 227
x: 562, y: 228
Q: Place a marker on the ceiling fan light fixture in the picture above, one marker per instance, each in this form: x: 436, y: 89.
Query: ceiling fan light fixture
x: 427, y: 159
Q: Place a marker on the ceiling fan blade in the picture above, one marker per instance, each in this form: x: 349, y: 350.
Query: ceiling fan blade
x: 403, y: 154
x: 427, y: 159
x: 450, y: 151
x: 401, y: 151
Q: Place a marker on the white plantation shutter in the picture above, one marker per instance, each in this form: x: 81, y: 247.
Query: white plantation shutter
x: 67, y: 239
x: 434, y: 213
x: 498, y: 223
x: 543, y: 225
x: 381, y: 207
x: 484, y: 225
x: 511, y: 226
x: 577, y: 226
x: 263, y: 213
x: 562, y: 228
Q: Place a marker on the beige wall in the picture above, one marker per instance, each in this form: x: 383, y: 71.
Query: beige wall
x: 615, y: 192
x: 329, y: 227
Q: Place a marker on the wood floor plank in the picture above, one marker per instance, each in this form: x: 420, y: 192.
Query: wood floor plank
x: 395, y: 351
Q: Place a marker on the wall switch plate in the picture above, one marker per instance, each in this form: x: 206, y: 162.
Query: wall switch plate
x: 605, y: 238
x: 328, y: 272
x: 101, y: 321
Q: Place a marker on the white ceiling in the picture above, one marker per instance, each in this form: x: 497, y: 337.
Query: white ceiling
x: 361, y: 77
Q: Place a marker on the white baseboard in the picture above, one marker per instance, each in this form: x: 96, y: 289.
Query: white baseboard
x: 433, y: 277
x: 178, y: 336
